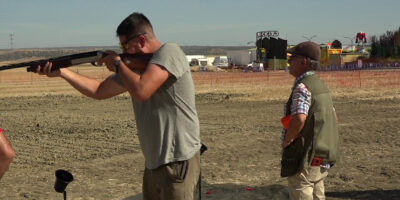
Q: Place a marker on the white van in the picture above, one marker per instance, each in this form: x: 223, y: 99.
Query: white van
x: 221, y: 61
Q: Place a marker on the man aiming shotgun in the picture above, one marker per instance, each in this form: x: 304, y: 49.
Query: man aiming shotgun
x: 163, y: 98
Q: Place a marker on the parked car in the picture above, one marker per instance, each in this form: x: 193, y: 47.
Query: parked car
x: 256, y: 67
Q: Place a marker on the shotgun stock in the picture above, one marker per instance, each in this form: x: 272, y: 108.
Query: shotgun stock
x: 132, y: 60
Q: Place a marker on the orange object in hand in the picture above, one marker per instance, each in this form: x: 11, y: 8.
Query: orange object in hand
x: 285, y: 121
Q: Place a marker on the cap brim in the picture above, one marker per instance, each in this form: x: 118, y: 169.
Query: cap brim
x: 291, y: 50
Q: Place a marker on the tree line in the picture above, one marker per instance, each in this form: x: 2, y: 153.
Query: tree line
x: 387, y: 45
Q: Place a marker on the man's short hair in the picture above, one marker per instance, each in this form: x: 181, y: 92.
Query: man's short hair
x: 314, y: 64
x: 135, y: 23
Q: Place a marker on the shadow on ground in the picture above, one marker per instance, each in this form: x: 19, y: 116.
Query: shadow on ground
x: 276, y: 192
x: 235, y: 191
x: 366, y: 194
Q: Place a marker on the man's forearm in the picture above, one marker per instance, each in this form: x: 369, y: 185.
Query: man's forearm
x: 295, y: 126
x: 83, y: 84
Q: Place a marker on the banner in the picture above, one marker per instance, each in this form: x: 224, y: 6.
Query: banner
x: 335, y: 51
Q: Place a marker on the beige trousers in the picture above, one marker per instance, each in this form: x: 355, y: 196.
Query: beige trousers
x: 173, y: 181
x: 308, y: 184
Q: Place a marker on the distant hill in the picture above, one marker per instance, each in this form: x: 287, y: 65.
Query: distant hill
x: 211, y: 50
x: 41, y: 53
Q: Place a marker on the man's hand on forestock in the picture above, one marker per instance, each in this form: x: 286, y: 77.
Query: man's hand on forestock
x: 46, y: 70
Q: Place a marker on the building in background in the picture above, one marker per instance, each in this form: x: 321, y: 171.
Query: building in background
x: 271, y: 50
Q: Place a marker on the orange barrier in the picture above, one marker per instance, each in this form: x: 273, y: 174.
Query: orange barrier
x: 333, y: 79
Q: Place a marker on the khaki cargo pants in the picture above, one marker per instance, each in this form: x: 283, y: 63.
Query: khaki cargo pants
x: 173, y: 181
x: 308, y: 184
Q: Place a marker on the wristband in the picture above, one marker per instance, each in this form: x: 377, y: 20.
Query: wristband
x: 116, y: 66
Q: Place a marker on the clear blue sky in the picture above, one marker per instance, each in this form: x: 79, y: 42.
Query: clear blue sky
x: 62, y: 23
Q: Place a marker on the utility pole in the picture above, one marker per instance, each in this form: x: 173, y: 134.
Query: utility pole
x: 251, y: 42
x: 310, y: 38
x: 351, y: 40
x: 12, y: 41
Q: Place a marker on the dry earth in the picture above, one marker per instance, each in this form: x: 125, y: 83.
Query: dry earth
x: 52, y: 127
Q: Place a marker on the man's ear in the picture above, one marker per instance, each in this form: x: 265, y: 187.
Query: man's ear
x: 142, y: 40
x: 304, y: 61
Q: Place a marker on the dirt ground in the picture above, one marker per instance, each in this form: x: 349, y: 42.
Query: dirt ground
x: 96, y: 141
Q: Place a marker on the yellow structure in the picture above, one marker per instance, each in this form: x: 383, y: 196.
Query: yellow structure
x: 339, y: 59
x: 330, y: 57
x: 335, y: 57
x: 324, y: 60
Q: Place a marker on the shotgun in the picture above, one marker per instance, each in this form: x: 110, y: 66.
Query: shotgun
x: 135, y: 60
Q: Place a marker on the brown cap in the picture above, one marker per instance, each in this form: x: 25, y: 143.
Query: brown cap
x: 306, y: 49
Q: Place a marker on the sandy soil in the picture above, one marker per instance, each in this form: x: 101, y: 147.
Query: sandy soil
x: 96, y: 141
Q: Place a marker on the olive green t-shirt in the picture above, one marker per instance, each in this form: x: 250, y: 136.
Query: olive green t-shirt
x: 167, y: 123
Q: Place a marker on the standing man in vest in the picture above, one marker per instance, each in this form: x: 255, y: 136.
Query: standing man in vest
x: 164, y: 106
x: 310, y: 135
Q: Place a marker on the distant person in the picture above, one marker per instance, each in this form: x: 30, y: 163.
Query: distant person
x: 6, y: 154
x: 163, y: 99
x: 310, y: 134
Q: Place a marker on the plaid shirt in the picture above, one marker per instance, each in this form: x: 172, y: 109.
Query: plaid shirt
x: 301, y: 99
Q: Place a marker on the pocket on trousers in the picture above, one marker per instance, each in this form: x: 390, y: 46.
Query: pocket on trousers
x: 177, y: 171
x: 313, y: 173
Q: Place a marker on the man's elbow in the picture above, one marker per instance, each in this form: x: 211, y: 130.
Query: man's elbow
x: 94, y: 96
x: 140, y: 99
x: 139, y: 96
x: 8, y: 155
x: 98, y: 97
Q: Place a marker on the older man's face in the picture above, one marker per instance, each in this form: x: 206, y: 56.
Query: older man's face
x: 297, y: 65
